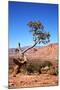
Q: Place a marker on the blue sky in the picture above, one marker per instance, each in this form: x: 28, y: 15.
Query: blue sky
x: 21, y: 13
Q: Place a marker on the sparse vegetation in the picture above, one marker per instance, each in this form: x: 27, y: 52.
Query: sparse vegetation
x: 46, y: 63
x: 55, y: 71
x: 11, y: 69
x: 30, y: 68
x: 38, y: 67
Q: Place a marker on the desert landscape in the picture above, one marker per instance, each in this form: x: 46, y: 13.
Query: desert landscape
x: 33, y: 45
x: 41, y: 68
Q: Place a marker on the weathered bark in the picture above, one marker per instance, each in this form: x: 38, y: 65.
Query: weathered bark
x: 20, y: 59
x: 17, y: 68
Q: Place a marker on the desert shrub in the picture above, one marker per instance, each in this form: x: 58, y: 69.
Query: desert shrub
x: 53, y: 71
x: 39, y: 69
x: 45, y: 66
x: 34, y: 68
x: 56, y: 71
x: 30, y: 68
x: 46, y: 63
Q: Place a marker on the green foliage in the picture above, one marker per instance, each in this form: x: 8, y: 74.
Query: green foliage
x: 30, y: 68
x: 39, y: 35
x: 46, y: 63
x: 37, y: 67
x: 34, y: 68
x: 35, y: 25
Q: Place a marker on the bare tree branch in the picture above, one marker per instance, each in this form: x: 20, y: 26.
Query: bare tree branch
x: 30, y: 47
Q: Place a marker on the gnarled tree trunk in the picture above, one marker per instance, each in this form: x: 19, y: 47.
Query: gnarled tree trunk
x: 20, y: 59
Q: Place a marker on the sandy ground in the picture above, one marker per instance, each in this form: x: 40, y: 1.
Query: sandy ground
x: 50, y: 53
x: 32, y: 80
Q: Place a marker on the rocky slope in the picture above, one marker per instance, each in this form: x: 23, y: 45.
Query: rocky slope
x: 49, y: 52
